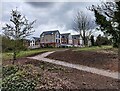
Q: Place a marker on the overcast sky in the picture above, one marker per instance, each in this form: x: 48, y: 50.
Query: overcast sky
x: 49, y: 15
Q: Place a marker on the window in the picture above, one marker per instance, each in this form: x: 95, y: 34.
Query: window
x: 63, y: 36
x: 56, y: 40
x: 57, y: 35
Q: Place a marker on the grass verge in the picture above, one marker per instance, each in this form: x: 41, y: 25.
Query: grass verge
x: 9, y: 55
x: 94, y: 48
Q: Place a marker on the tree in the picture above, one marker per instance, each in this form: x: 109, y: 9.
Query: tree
x: 84, y: 25
x: 92, y: 40
x: 21, y: 28
x: 108, y: 19
x: 6, y: 44
x: 99, y: 40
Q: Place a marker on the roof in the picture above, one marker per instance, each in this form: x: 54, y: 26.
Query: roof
x: 75, y: 36
x: 65, y: 34
x: 49, y: 32
x: 36, y: 38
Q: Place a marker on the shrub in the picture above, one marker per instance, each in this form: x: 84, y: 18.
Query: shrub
x: 17, y: 78
x: 8, y: 70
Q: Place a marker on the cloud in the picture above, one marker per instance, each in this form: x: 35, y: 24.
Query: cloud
x: 49, y: 15
x: 41, y: 4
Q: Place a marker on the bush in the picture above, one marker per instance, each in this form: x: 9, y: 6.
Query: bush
x: 16, y: 78
x: 8, y: 44
x: 102, y: 41
x: 8, y: 70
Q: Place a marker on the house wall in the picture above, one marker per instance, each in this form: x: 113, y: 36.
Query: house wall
x: 64, y: 40
x: 47, y: 39
x: 50, y: 40
x: 32, y: 42
x: 67, y: 39
x: 57, y: 39
x: 70, y: 39
x: 76, y: 42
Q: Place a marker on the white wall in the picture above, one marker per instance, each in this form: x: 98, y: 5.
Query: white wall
x: 70, y: 39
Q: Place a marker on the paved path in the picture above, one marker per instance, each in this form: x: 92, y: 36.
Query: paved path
x: 114, y: 75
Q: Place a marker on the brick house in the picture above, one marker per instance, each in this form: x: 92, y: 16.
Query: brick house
x: 76, y: 40
x: 50, y: 39
x: 66, y: 39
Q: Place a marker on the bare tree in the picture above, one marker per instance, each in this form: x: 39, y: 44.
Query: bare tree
x: 19, y: 29
x: 84, y: 25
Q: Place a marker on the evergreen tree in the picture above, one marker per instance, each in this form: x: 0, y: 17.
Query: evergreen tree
x: 108, y: 19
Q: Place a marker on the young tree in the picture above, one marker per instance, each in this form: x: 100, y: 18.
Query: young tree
x: 20, y: 29
x: 84, y: 25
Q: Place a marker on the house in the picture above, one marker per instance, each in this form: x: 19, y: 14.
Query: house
x: 66, y: 39
x: 77, y: 41
x: 34, y: 42
x: 26, y: 42
x: 50, y: 39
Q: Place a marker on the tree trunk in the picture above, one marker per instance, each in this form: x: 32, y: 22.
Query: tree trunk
x: 116, y: 42
x: 118, y: 48
x: 14, y: 52
x: 14, y: 57
x: 119, y: 52
x: 84, y: 39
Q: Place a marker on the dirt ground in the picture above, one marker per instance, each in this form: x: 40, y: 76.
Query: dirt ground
x: 102, y: 60
x: 59, y: 77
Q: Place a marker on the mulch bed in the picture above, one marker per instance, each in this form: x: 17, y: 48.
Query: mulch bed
x: 107, y: 61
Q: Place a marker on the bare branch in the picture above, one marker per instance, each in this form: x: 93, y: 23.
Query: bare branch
x: 82, y: 24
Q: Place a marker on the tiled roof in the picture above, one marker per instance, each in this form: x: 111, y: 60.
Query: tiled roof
x: 65, y: 34
x: 49, y: 32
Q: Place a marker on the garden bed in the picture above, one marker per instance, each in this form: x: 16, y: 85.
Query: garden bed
x: 58, y: 77
x: 101, y: 60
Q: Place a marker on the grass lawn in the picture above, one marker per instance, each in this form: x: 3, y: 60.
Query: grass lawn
x: 96, y: 48
x: 9, y: 55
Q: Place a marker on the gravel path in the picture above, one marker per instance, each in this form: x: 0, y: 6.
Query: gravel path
x: 114, y: 75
